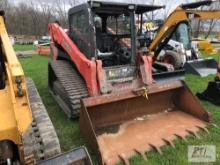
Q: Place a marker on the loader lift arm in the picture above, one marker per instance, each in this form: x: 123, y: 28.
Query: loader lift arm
x: 59, y: 36
x: 180, y: 14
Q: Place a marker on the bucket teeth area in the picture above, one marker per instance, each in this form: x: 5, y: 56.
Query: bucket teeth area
x: 153, y: 132
x: 141, y: 153
x: 204, y: 129
x: 124, y: 158
x: 194, y: 133
x: 169, y: 142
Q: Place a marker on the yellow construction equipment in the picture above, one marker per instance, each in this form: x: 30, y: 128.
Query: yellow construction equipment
x: 180, y: 14
x: 183, y: 55
x: 205, y: 46
x: 16, y: 115
x: 27, y: 135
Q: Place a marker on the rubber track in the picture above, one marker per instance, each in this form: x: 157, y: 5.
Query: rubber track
x: 40, y: 141
x: 72, y: 83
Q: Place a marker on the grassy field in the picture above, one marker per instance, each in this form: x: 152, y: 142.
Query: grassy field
x: 69, y: 132
x: 24, y: 47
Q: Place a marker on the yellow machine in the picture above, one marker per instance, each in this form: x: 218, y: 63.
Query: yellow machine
x: 183, y: 54
x: 27, y: 135
x: 180, y: 14
x: 15, y: 116
x: 206, y: 46
x: 15, y: 108
x: 14, y: 93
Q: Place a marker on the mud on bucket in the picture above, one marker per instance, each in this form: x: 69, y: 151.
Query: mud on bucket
x: 120, y: 125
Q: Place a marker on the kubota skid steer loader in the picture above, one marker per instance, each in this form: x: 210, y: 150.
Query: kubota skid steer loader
x: 27, y: 135
x: 106, y: 78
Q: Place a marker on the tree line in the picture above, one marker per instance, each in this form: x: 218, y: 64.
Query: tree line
x: 31, y: 18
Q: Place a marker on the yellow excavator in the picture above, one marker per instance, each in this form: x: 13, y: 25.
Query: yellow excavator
x: 181, y: 53
x: 27, y: 135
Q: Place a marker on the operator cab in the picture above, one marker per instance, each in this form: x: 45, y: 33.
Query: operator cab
x: 182, y: 36
x: 107, y: 30
x: 113, y: 38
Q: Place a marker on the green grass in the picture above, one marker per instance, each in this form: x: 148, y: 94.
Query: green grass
x: 69, y: 133
x: 213, y: 55
x: 23, y: 47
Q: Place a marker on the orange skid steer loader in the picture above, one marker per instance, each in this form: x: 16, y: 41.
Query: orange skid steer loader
x: 109, y: 83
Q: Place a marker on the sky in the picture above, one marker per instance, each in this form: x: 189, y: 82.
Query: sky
x: 172, y: 4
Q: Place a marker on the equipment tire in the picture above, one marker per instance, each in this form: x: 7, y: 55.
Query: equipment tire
x: 173, y: 58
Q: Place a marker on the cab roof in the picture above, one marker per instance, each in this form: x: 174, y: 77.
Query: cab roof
x: 121, y: 5
x: 118, y: 6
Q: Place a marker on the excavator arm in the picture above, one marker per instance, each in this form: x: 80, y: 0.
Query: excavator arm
x: 180, y: 14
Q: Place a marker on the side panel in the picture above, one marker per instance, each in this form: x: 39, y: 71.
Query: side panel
x: 16, y: 89
x: 86, y: 67
x: 81, y: 31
